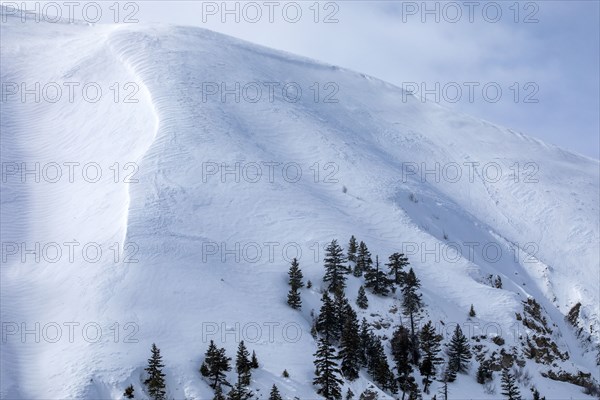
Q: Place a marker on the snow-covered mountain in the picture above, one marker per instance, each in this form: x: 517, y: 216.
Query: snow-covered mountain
x: 216, y: 162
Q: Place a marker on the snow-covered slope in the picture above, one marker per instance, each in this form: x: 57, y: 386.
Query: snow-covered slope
x: 195, y: 230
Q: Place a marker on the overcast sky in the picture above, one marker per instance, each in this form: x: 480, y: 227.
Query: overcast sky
x: 543, y: 55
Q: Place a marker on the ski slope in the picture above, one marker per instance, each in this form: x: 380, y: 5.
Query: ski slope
x: 211, y: 246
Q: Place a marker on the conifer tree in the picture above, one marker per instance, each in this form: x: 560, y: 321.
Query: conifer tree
x: 402, y: 354
x: 446, y: 376
x: 215, y: 365
x: 377, y: 280
x: 361, y: 300
x: 327, y: 321
x: 295, y: 275
x: 335, y: 271
x: 129, y: 392
x: 363, y: 260
x: 254, y: 361
x: 352, y: 248
x: 155, y: 383
x: 341, y: 307
x: 243, y: 365
x: 378, y: 366
x: 472, y: 313
x: 397, y: 262
x: 350, y: 346
x: 430, y: 347
x: 365, y: 341
x: 327, y: 373
x: 411, y: 301
x: 275, y: 395
x: 509, y: 386
x: 459, y: 352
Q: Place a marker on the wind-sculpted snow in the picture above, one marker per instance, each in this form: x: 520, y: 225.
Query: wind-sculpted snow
x: 202, y: 248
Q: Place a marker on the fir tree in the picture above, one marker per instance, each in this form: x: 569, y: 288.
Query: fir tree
x: 155, y: 383
x: 350, y: 346
x: 472, y: 312
x: 402, y: 354
x: 275, y: 395
x: 411, y: 301
x: 397, y: 262
x: 365, y: 341
x: 459, y: 352
x: 295, y: 275
x: 327, y: 374
x: 335, y: 271
x: 363, y: 260
x: 377, y: 280
x: 327, y: 321
x: 509, y: 386
x: 446, y: 377
x: 216, y: 364
x: 352, y: 247
x: 293, y: 299
x: 341, y: 307
x: 243, y: 365
x: 129, y: 392
x: 254, y: 361
x: 361, y: 300
x: 430, y: 347
x: 378, y: 366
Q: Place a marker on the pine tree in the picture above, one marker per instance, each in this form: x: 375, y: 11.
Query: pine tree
x: 509, y: 386
x: 275, y: 395
x: 378, y: 367
x: 155, y: 383
x: 350, y: 345
x: 295, y: 275
x: 254, y: 361
x: 397, y: 262
x: 335, y: 271
x: 327, y: 374
x: 430, y: 347
x: 341, y: 307
x: 129, y: 392
x: 216, y: 364
x: 363, y: 260
x: 327, y: 321
x: 365, y: 341
x: 377, y: 280
x: 243, y: 365
x: 472, y: 312
x: 293, y: 299
x: 402, y: 354
x: 411, y: 301
x: 362, y: 301
x: 352, y: 247
x: 459, y: 352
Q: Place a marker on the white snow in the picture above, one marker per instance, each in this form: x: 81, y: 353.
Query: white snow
x: 178, y: 212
